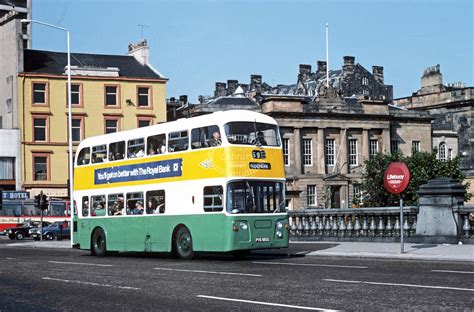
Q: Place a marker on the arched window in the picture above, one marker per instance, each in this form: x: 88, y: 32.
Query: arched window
x: 442, y: 151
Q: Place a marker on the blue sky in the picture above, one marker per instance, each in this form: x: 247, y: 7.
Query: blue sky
x: 196, y: 43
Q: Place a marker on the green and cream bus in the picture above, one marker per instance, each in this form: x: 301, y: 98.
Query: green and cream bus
x: 210, y: 183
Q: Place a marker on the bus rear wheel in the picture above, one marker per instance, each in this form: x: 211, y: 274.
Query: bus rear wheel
x: 183, y: 244
x: 98, y: 244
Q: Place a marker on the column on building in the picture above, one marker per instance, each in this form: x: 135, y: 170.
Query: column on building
x: 386, y: 140
x: 365, y: 145
x: 297, y: 151
x: 342, y: 159
x: 320, y: 162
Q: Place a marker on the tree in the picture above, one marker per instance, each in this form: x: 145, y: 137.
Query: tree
x: 423, y: 167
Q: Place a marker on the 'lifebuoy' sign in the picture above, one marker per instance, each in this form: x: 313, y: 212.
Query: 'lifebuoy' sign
x: 396, y: 177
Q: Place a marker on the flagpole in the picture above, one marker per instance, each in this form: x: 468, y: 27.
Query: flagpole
x: 327, y: 55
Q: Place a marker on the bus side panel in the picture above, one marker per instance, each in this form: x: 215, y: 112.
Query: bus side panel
x: 136, y: 234
x: 83, y: 230
x: 115, y: 231
x: 208, y: 231
x: 159, y: 232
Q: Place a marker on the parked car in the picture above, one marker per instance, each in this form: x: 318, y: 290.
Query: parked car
x: 57, y: 229
x: 22, y: 230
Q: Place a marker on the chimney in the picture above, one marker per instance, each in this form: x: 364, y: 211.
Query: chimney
x: 348, y: 66
x: 256, y: 83
x: 321, y: 71
x: 305, y: 71
x: 139, y: 51
x: 220, y: 89
x: 377, y: 71
x: 232, y: 86
x: 183, y: 99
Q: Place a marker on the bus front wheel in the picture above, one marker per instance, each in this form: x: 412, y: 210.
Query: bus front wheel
x: 183, y: 243
x: 98, y: 246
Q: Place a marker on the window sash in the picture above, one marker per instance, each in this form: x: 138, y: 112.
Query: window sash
x: 329, y: 147
x: 307, y: 152
x: 40, y: 168
x: 286, y: 151
x: 111, y: 94
x: 7, y: 165
x: 76, y: 130
x: 39, y: 129
x: 353, y: 152
x: 111, y: 126
x: 39, y: 93
x: 143, y: 94
x: 75, y: 94
x: 311, y: 195
x: 374, y: 147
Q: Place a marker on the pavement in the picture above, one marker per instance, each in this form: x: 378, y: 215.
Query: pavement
x: 433, y: 252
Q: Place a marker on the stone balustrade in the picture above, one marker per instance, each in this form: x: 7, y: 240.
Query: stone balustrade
x: 380, y: 224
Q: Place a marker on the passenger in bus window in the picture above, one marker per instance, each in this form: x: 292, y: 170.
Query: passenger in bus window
x: 140, y: 153
x: 85, y: 208
x: 138, y: 208
x: 151, y: 151
x: 151, y: 206
x: 160, y: 208
x: 215, y: 140
x: 118, y: 209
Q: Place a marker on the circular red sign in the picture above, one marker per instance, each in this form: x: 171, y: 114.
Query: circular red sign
x: 396, y: 178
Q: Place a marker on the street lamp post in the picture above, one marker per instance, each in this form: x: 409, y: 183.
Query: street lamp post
x: 71, y: 164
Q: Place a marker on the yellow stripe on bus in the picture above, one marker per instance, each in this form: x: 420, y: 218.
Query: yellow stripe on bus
x: 198, y: 164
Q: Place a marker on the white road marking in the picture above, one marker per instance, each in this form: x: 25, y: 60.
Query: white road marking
x: 8, y: 258
x: 209, y: 272
x: 82, y: 263
x: 89, y: 283
x: 449, y: 271
x: 312, y: 265
x: 401, y: 285
x: 265, y: 303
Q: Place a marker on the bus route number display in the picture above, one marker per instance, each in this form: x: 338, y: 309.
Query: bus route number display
x: 396, y: 177
x: 145, y: 171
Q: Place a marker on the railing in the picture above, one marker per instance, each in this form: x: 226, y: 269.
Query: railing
x: 365, y: 224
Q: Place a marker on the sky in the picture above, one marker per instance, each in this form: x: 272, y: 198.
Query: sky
x: 196, y: 43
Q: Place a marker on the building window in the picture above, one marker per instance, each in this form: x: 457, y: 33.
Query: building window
x: 76, y: 94
x: 365, y: 81
x: 357, y: 195
x: 365, y: 92
x: 307, y: 152
x: 373, y: 148
x: 394, y: 146
x: 352, y: 152
x: 286, y: 151
x: 77, y: 129
x: 40, y: 168
x: 415, y: 146
x: 111, y: 125
x: 111, y: 96
x: 442, y: 151
x: 311, y: 198
x: 450, y: 154
x: 144, y: 122
x: 40, y: 129
x: 40, y: 93
x: 7, y: 165
x: 143, y: 96
x: 329, y: 152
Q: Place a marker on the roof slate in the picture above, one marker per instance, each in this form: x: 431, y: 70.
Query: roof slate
x: 48, y: 62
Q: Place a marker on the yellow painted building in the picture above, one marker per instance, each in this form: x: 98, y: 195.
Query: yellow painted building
x: 109, y: 93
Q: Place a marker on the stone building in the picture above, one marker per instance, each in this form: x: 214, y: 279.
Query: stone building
x: 327, y: 131
x: 451, y: 107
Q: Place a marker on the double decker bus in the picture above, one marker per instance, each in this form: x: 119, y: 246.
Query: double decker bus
x: 210, y: 183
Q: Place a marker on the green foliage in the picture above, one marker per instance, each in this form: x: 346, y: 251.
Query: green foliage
x: 423, y: 167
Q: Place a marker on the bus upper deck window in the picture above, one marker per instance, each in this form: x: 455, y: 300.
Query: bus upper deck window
x: 156, y: 144
x: 99, y: 153
x: 205, y: 137
x: 136, y: 148
x: 84, y: 156
x: 252, y: 133
x: 178, y: 141
x: 117, y: 150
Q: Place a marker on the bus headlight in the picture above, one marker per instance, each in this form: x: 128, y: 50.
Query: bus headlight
x: 244, y: 226
x: 279, y: 225
x: 279, y: 234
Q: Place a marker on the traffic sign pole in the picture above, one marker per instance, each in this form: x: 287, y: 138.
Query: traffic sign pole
x: 401, y: 224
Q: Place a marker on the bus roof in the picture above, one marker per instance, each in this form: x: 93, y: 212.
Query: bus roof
x: 220, y: 117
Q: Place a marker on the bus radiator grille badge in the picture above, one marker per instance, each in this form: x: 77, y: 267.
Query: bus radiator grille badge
x: 207, y: 164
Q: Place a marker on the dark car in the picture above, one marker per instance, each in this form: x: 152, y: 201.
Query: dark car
x: 57, y: 229
x: 22, y: 230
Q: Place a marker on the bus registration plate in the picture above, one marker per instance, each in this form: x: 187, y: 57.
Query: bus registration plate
x: 262, y: 239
